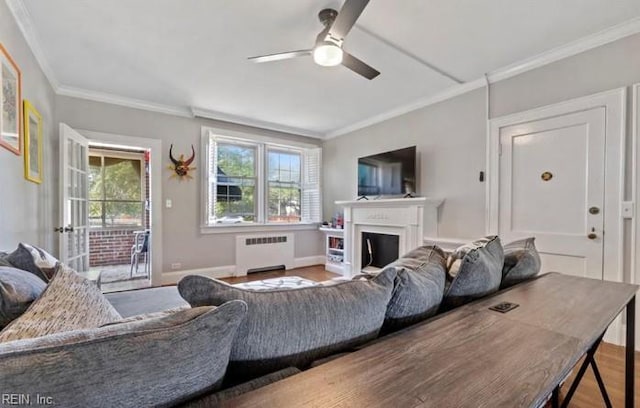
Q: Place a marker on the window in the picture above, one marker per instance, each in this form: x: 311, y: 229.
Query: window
x: 116, y: 189
x: 253, y: 183
x: 284, y: 186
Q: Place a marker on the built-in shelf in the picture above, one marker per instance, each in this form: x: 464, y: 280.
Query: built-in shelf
x: 334, y: 238
x: 339, y: 231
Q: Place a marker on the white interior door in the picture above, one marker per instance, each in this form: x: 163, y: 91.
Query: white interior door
x: 74, y: 194
x: 552, y: 185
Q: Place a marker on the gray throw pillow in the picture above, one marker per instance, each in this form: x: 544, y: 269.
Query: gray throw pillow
x: 294, y: 327
x: 3, y: 260
x: 35, y: 260
x: 478, y: 274
x: 18, y: 289
x: 158, y: 362
x: 70, y: 302
x: 521, y: 262
x: 418, y: 287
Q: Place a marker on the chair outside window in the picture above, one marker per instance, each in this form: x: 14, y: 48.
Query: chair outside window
x: 140, y: 248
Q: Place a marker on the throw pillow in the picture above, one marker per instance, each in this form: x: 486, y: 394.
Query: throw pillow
x: 17, y: 290
x: 294, y: 327
x: 70, y: 302
x: 418, y: 287
x: 3, y: 260
x: 157, y: 362
x: 477, y: 274
x: 521, y: 262
x: 35, y: 260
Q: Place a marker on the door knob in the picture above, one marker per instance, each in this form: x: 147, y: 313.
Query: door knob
x: 68, y: 229
x: 594, y: 210
x: 592, y: 235
x: 59, y: 229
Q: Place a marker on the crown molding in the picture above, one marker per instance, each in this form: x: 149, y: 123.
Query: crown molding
x: 583, y: 44
x: 598, y: 39
x: 123, y: 101
x: 448, y: 93
x: 23, y: 19
x: 247, y: 121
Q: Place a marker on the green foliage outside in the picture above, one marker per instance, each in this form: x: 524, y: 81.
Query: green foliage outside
x: 238, y: 163
x: 115, y: 195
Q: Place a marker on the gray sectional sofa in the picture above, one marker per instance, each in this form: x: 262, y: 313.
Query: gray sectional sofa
x: 205, y: 341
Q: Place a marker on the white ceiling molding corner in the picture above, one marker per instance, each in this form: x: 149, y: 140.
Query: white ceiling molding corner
x: 595, y: 40
x: 123, y: 101
x: 452, y: 92
x: 242, y: 120
x: 24, y: 21
x: 22, y: 18
x: 598, y: 39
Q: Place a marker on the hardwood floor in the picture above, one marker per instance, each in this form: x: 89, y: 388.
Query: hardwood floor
x: 315, y: 273
x: 610, y: 358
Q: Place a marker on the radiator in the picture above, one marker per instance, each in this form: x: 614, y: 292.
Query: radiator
x: 263, y: 251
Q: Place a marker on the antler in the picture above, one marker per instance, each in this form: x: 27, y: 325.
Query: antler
x: 193, y: 156
x: 173, y: 160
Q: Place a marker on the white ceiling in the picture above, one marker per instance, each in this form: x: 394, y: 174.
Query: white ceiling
x: 192, y: 53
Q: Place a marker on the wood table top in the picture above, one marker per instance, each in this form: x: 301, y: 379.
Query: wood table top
x: 469, y: 357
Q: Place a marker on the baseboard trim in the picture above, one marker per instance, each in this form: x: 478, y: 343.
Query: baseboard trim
x: 216, y: 272
x: 309, y: 261
x: 227, y: 271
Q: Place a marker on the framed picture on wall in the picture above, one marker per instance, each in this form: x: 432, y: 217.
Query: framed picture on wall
x: 32, y: 143
x: 10, y: 103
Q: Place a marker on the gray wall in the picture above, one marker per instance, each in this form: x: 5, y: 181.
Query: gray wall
x: 451, y: 135
x: 27, y: 210
x: 182, y: 241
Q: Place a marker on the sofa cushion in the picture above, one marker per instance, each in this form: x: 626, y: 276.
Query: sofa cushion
x: 154, y: 362
x: 18, y: 289
x: 418, y: 287
x: 35, y: 260
x: 70, y: 302
x: 521, y: 262
x: 474, y: 271
x: 294, y: 327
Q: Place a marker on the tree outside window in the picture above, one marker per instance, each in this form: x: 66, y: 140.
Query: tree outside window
x: 116, y: 189
x: 284, y: 186
x: 234, y: 184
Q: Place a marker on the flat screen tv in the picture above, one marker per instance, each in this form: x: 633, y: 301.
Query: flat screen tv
x: 388, y: 174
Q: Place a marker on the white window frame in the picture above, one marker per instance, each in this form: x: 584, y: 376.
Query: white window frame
x: 263, y: 144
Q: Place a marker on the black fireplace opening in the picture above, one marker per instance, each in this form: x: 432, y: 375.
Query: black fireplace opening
x: 379, y: 250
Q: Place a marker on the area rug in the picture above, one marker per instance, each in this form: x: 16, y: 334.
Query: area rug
x: 286, y: 282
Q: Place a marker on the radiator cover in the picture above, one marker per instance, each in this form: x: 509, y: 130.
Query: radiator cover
x: 263, y: 251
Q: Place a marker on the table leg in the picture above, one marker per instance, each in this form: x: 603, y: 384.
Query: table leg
x: 555, y: 398
x: 630, y: 354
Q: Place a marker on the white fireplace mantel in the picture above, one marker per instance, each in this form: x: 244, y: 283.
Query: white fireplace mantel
x: 409, y: 218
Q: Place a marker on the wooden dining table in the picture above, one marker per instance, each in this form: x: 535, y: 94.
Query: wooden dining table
x: 472, y: 356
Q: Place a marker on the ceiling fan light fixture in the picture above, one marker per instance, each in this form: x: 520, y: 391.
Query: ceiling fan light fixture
x: 327, y: 54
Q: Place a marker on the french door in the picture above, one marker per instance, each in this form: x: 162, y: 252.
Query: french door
x: 74, y: 194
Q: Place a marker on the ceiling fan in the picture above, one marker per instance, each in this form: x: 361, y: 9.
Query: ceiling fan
x: 328, y: 51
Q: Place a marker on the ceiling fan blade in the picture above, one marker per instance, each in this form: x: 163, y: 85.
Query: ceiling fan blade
x: 359, y: 67
x: 347, y: 16
x: 280, y: 56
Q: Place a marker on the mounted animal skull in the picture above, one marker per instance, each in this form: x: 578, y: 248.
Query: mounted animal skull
x: 180, y: 166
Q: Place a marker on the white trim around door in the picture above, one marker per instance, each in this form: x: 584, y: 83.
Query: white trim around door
x: 155, y: 146
x: 614, y: 102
